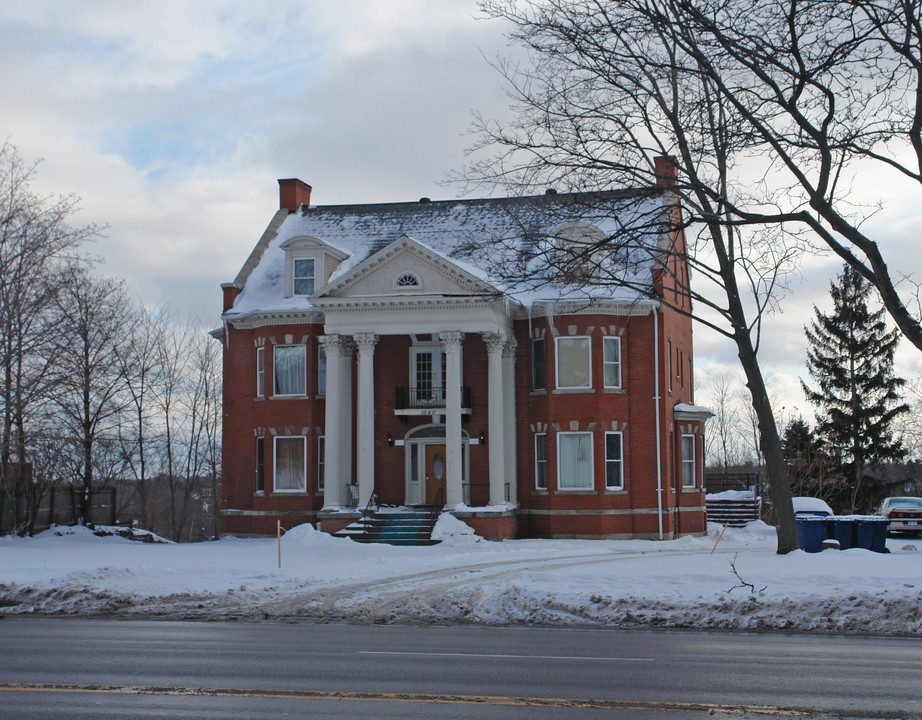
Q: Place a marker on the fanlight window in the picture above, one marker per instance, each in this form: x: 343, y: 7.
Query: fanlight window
x: 407, y: 279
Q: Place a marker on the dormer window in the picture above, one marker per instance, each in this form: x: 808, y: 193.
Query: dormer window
x: 308, y: 264
x: 579, y: 253
x: 303, y: 276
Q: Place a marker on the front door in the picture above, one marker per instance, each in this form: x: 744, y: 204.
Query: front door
x: 435, y: 474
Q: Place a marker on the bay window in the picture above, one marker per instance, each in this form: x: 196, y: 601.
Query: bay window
x: 290, y: 464
x: 574, y: 461
x: 573, y: 362
x: 290, y: 369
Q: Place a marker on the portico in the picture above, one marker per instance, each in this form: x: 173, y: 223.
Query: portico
x: 406, y: 291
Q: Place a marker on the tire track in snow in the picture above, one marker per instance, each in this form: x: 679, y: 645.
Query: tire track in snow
x: 379, y: 599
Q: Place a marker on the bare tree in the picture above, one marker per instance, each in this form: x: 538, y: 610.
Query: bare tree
x: 724, y: 425
x: 36, y: 237
x: 138, y: 425
x: 609, y: 90
x: 824, y: 89
x: 89, y: 374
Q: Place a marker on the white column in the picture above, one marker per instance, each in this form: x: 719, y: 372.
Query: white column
x: 509, y: 436
x: 496, y: 445
x: 333, y: 480
x: 345, y: 416
x: 454, y: 471
x: 366, y: 416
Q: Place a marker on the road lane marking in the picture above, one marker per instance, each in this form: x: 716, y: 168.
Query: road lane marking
x: 768, y: 710
x: 504, y: 657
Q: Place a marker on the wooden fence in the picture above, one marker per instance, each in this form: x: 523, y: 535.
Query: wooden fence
x: 59, y: 506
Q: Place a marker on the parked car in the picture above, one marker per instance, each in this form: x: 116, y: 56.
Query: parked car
x: 811, y: 506
x: 904, y: 513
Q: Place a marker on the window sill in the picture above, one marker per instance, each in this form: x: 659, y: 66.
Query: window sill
x: 577, y: 491
x: 615, y: 391
x: 539, y: 491
x: 573, y: 391
x: 288, y: 397
x: 538, y: 393
x: 289, y: 493
x: 615, y: 491
x: 259, y: 398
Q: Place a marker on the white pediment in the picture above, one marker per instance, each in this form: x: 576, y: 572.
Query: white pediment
x: 403, y: 271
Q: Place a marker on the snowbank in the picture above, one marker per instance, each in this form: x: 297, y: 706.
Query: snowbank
x: 743, y: 584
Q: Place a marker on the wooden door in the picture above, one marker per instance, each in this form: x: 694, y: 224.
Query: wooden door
x: 435, y: 473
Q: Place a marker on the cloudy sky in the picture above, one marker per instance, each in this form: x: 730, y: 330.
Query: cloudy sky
x: 172, y: 121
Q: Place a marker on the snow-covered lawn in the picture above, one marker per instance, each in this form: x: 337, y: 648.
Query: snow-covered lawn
x: 635, y: 583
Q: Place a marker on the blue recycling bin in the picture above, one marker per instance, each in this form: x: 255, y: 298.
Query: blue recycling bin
x: 871, y: 533
x: 842, y: 530
x: 811, y: 531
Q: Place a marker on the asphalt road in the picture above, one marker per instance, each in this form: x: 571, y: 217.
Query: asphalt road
x: 78, y: 668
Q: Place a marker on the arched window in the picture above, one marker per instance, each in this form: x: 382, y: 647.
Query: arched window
x: 407, y: 280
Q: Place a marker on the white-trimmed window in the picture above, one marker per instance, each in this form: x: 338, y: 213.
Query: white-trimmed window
x: 611, y: 361
x: 688, y: 461
x: 428, y: 371
x: 260, y: 371
x: 541, y: 461
x: 303, y: 276
x: 260, y: 464
x: 574, y: 461
x: 321, y: 369
x: 321, y: 461
x: 614, y: 461
x: 290, y: 369
x: 574, y: 366
x: 290, y: 464
x: 407, y: 280
x: 537, y: 364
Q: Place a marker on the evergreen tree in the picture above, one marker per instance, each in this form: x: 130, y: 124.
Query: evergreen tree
x: 850, y: 359
x: 810, y: 469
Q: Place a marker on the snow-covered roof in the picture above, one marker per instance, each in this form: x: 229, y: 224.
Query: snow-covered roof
x: 481, y: 237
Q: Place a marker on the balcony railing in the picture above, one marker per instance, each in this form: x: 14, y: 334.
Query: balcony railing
x: 428, y: 398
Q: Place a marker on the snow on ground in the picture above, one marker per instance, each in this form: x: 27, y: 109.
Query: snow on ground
x: 628, y: 583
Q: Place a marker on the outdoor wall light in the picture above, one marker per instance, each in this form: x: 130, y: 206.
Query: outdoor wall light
x: 390, y: 440
x: 483, y: 439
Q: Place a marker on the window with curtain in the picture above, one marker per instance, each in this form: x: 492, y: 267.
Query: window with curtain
x: 574, y: 461
x: 573, y: 362
x: 611, y: 362
x: 614, y: 461
x: 303, y: 280
x: 290, y: 468
x: 290, y: 369
x: 541, y: 461
x: 688, y: 461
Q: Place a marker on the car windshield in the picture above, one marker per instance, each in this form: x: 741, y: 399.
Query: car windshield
x: 911, y: 501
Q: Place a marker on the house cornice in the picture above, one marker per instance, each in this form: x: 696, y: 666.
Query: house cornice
x: 282, y: 317
x: 630, y: 308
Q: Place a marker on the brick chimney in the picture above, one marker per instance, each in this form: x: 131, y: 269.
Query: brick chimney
x: 231, y: 291
x: 666, y: 171
x: 293, y: 193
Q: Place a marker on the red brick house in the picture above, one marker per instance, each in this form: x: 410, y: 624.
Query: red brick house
x: 371, y: 351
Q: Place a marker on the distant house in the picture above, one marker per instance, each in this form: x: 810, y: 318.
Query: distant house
x: 365, y: 353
